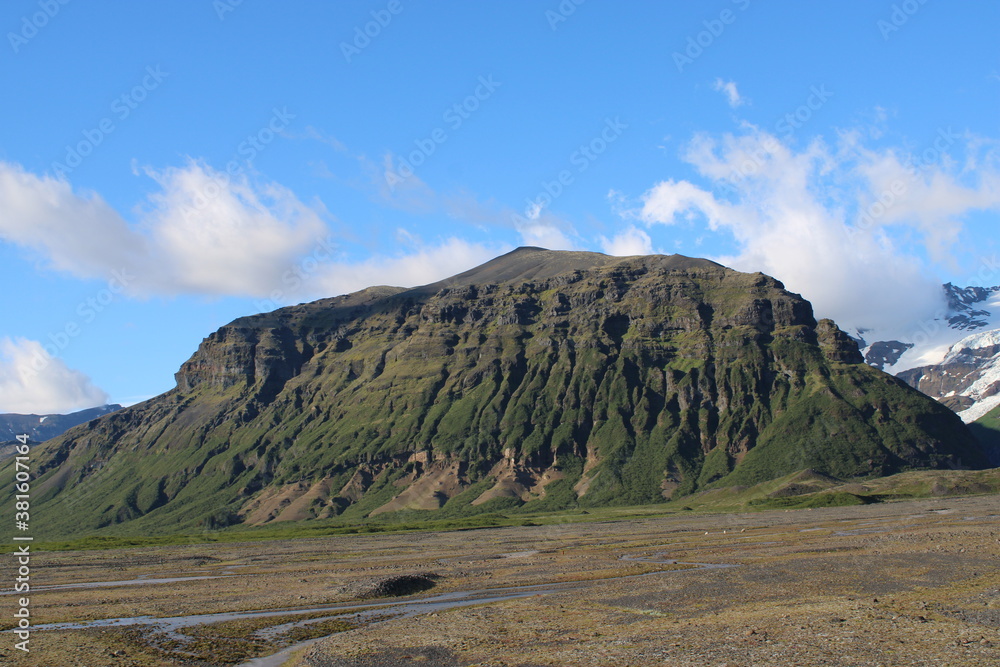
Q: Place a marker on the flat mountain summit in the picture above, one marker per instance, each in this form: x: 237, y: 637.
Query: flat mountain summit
x: 541, y: 379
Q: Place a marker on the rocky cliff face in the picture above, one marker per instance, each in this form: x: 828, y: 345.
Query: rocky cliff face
x: 244, y: 355
x: 547, y: 378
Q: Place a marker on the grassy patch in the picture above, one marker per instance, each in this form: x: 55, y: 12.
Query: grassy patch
x: 822, y: 499
x: 803, y: 489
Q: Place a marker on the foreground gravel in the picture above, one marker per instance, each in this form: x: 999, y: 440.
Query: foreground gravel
x: 913, y: 583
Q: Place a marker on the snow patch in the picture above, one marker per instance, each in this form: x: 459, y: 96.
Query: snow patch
x: 980, y: 409
x: 933, y: 339
x: 976, y: 341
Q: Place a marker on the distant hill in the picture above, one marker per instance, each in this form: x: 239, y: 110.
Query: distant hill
x: 539, y: 380
x: 43, y: 427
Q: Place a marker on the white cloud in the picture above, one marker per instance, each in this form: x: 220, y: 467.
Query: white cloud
x: 796, y: 215
x: 426, y: 264
x: 230, y: 238
x: 930, y: 197
x: 728, y: 88
x: 631, y: 241
x: 533, y: 211
x: 545, y: 231
x: 78, y: 232
x: 672, y: 200
x: 32, y: 382
x: 202, y: 232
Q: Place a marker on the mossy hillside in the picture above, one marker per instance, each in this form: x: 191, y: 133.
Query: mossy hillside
x: 801, y: 490
x: 626, y: 379
x: 987, y: 432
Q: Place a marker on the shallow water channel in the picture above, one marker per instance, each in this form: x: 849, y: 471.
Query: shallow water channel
x: 366, y: 612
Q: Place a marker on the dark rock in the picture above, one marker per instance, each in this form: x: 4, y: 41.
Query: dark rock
x: 885, y: 353
x: 394, y: 586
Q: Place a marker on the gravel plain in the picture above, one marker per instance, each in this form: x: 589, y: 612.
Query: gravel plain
x: 906, y: 583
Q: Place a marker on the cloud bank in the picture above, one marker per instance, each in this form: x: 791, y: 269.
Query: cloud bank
x: 839, y: 223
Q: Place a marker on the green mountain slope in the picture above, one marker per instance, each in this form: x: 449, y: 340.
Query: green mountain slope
x: 546, y: 379
x: 987, y: 431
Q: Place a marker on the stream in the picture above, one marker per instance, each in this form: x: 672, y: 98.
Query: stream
x: 370, y: 612
x: 374, y: 612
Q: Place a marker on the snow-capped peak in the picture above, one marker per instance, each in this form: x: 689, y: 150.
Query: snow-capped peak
x: 929, y: 342
x: 975, y: 347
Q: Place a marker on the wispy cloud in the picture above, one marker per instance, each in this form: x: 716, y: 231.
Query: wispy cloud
x: 728, y: 88
x: 536, y: 226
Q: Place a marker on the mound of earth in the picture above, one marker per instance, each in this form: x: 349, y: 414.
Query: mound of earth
x: 394, y: 586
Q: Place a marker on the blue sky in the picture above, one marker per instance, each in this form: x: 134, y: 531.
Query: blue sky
x: 167, y: 167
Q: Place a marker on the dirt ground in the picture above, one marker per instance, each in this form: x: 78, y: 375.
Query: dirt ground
x: 912, y: 583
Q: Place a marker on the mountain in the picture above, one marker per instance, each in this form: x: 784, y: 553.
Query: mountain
x: 964, y: 312
x: 967, y: 380
x: 967, y: 310
x: 951, y: 357
x: 43, y: 427
x: 544, y: 379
